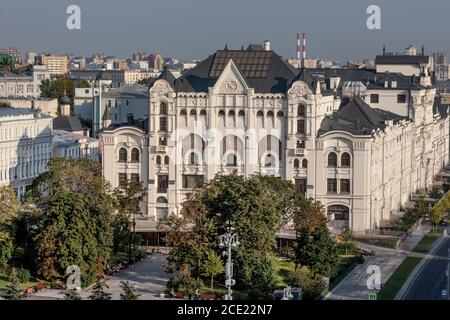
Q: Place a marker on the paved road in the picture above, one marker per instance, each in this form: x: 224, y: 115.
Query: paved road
x: 432, y: 279
x: 148, y: 277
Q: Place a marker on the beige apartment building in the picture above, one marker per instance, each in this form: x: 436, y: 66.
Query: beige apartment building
x: 57, y: 65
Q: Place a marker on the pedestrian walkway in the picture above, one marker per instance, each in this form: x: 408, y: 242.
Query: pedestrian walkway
x: 354, y: 285
x: 148, y: 276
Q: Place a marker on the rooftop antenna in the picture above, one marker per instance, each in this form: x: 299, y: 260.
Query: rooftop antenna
x: 226, y: 47
x: 384, y: 50
x: 423, y: 50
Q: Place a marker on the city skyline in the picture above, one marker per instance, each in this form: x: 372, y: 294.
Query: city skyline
x: 341, y: 27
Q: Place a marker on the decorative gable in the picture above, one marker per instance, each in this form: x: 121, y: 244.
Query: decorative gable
x: 230, y: 81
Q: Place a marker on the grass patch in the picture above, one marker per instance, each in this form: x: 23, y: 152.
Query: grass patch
x: 425, y: 243
x: 283, y: 269
x: 398, y: 278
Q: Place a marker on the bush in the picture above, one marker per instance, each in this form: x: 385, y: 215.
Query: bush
x: 312, y: 285
x: 23, y: 275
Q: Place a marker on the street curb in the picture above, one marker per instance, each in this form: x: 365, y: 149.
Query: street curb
x: 420, y: 266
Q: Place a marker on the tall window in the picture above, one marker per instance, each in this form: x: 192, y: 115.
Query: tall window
x: 163, y: 183
x: 301, y: 185
x: 163, y: 108
x: 134, y: 177
x: 158, y: 160
x: 296, y: 163
x: 301, y: 110
x: 123, y: 155
x: 331, y: 186
x: 122, y: 179
x: 332, y: 159
x: 304, y: 163
x: 193, y: 158
x: 401, y: 98
x: 163, y: 123
x: 135, y: 155
x: 301, y: 126
x: 166, y: 160
x: 345, y: 186
x: 345, y: 160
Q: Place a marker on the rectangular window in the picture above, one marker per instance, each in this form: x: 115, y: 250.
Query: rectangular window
x: 300, y: 185
x: 163, y: 183
x: 374, y: 98
x: 401, y: 98
x: 192, y: 181
x: 122, y: 178
x: 134, y: 177
x: 345, y: 186
x: 331, y: 186
x: 301, y: 126
x: 163, y: 124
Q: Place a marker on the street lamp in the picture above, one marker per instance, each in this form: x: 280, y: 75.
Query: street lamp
x: 230, y: 241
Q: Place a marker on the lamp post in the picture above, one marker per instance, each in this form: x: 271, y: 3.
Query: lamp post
x: 229, y: 240
x: 131, y: 240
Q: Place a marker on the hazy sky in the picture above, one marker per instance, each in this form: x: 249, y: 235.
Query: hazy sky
x: 196, y: 28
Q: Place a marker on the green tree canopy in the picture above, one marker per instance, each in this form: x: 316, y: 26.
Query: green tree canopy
x: 9, y: 209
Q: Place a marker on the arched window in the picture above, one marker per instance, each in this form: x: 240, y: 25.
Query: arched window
x: 203, y: 113
x: 332, y: 159
x: 221, y: 113
x: 241, y: 113
x: 301, y: 112
x: 123, y: 155
x: 183, y: 112
x: 161, y: 200
x: 270, y: 114
x: 231, y: 113
x: 296, y: 163
x: 193, y: 158
x: 232, y: 160
x: 193, y: 112
x: 304, y: 163
x: 135, y: 155
x: 163, y: 108
x: 280, y: 114
x: 158, y: 160
x: 260, y: 114
x: 345, y: 160
x: 166, y: 160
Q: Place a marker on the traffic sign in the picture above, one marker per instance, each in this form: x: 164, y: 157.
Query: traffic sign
x: 444, y: 292
x: 372, y: 296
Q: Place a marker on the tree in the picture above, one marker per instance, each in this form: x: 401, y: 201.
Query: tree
x: 346, y: 236
x: 421, y: 207
x: 9, y: 209
x: 5, y: 104
x: 212, y: 266
x: 71, y: 294
x: 436, y: 214
x: 312, y: 285
x: 318, y: 252
x: 75, y: 221
x: 13, y: 291
x: 435, y: 193
x: 55, y: 88
x: 129, y: 292
x: 98, y: 292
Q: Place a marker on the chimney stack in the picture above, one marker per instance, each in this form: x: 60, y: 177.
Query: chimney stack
x: 304, y: 50
x: 267, y: 45
x: 299, y: 47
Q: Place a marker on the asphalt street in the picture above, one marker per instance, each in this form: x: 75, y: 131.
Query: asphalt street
x: 432, y: 279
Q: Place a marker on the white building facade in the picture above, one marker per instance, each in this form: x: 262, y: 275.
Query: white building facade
x: 23, y: 85
x: 248, y: 111
x: 25, y: 146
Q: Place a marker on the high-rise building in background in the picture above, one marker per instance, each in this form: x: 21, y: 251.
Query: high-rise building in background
x: 57, y: 65
x: 31, y: 58
x: 16, y: 53
x: 156, y: 61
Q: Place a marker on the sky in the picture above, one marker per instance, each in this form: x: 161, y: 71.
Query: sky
x: 190, y: 29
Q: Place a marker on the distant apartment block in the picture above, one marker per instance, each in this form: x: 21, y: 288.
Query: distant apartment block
x: 57, y: 65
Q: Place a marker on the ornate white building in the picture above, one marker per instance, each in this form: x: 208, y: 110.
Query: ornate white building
x: 359, y: 141
x: 25, y: 146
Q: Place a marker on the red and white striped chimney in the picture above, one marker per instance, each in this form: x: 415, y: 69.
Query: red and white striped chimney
x: 304, y: 49
x: 298, y: 47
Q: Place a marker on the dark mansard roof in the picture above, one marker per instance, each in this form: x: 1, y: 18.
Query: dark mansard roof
x: 357, y: 117
x: 265, y: 71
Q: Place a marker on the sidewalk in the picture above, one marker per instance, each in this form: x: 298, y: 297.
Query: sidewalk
x: 354, y: 287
